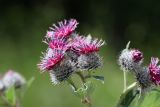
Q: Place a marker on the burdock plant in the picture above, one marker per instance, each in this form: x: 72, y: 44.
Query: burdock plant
x: 147, y: 78
x: 10, y: 82
x: 69, y: 53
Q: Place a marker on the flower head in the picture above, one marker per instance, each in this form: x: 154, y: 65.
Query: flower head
x: 154, y: 71
x: 50, y: 59
x: 68, y: 52
x: 130, y: 59
x: 143, y: 78
x: 62, y: 72
x: 57, y: 44
x: 12, y: 78
x: 89, y: 61
x: 64, y: 29
x: 137, y: 55
x: 84, y: 45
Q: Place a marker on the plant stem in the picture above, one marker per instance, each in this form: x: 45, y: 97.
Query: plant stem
x: 125, y: 81
x: 86, y: 100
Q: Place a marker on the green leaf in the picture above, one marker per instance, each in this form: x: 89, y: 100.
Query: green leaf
x: 151, y: 99
x: 101, y: 78
x: 11, y: 95
x: 128, y: 96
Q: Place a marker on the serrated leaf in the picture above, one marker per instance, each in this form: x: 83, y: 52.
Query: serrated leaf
x: 101, y: 78
x: 11, y: 95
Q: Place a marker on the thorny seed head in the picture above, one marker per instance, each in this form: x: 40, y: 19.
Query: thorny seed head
x: 154, y: 71
x: 130, y: 59
x: 63, y: 30
x: 12, y: 78
x: 89, y: 61
x: 72, y: 56
x: 62, y: 72
x: 143, y: 78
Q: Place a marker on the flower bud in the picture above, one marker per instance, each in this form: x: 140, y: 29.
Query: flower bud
x: 130, y: 59
x: 12, y: 78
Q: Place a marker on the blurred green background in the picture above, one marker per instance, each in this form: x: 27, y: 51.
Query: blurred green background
x: 23, y: 25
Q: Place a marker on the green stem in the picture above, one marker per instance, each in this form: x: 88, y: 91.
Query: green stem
x: 86, y: 100
x: 125, y: 81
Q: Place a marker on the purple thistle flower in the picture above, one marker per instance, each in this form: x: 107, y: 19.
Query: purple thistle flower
x: 58, y: 44
x: 130, y: 59
x: 50, y: 59
x: 137, y: 55
x: 67, y: 52
x: 85, y: 45
x: 50, y: 34
x: 86, y: 49
x: 63, y: 30
x: 154, y: 71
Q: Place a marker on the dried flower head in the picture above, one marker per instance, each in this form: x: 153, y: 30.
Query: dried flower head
x: 154, y: 71
x: 62, y: 72
x: 12, y: 78
x: 63, y: 30
x: 130, y: 59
